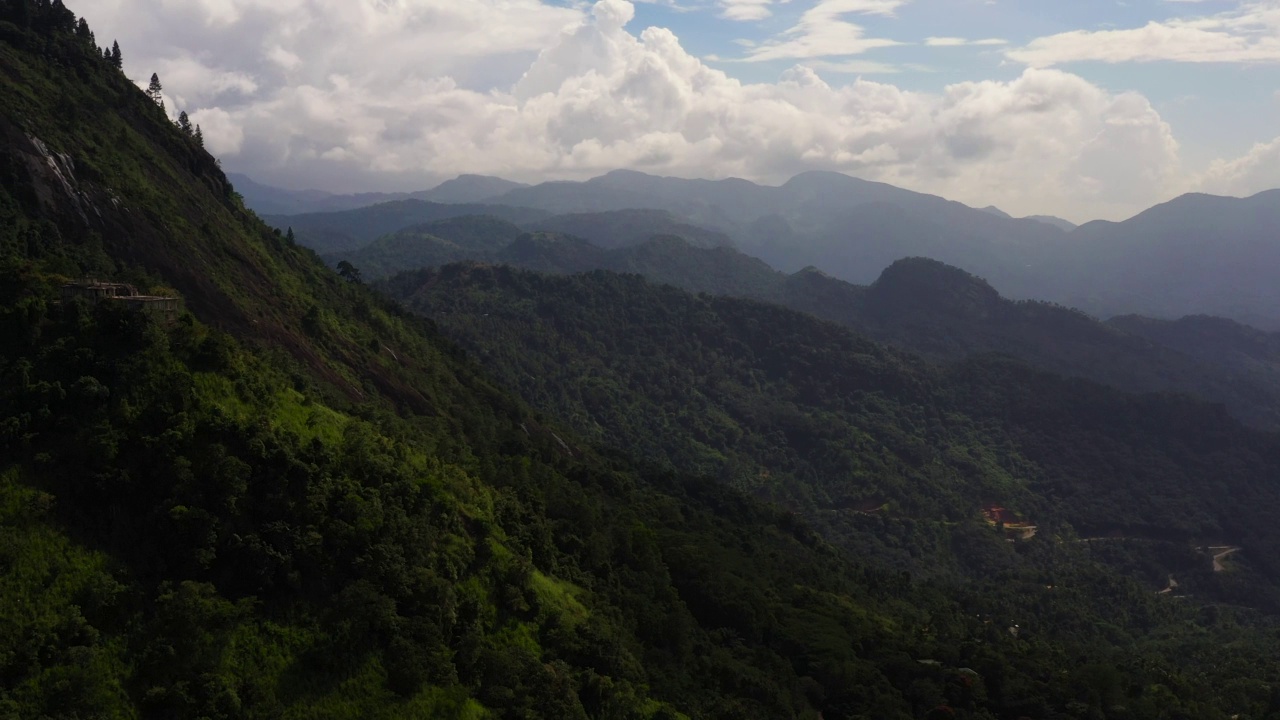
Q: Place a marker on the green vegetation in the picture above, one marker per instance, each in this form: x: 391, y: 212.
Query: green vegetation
x: 427, y: 245
x: 891, y: 458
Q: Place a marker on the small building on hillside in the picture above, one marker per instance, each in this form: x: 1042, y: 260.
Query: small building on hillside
x: 164, y: 309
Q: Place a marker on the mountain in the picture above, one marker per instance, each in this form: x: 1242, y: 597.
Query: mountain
x: 997, y: 212
x: 430, y: 244
x: 620, y: 228
x: 920, y: 305
x: 664, y: 257
x: 848, y: 227
x: 736, y: 372
x: 1213, y: 340
x: 1195, y: 255
x: 268, y: 200
x: 466, y: 189
x: 1065, y: 225
x: 342, y: 236
x: 352, y: 229
x: 885, y: 455
x: 704, y: 203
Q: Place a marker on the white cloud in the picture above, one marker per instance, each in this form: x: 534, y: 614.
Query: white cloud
x: 1247, y: 34
x: 1257, y: 170
x: 222, y: 134
x: 745, y: 9
x: 397, y: 100
x: 822, y: 31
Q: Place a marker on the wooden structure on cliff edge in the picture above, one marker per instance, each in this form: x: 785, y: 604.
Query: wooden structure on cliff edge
x: 164, y: 309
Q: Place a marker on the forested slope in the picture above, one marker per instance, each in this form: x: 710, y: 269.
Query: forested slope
x: 918, y: 304
x: 855, y: 436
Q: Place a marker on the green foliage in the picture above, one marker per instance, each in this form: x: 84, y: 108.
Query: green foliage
x: 892, y: 458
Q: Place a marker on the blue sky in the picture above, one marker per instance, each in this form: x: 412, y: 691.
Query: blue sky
x: 1081, y: 108
x: 1218, y: 108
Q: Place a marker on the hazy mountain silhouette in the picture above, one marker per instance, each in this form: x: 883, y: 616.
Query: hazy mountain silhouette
x: 619, y: 228
x: 351, y: 229
x: 1197, y: 254
x: 918, y: 304
x: 1065, y: 225
x: 268, y: 200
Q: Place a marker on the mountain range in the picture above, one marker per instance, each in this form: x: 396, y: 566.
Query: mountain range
x: 1196, y: 254
x: 268, y: 200
x: 920, y: 305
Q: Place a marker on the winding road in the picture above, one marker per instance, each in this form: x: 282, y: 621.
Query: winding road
x: 1220, y: 552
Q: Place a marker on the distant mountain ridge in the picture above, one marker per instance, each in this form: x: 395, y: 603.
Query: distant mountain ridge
x: 620, y: 228
x: 1065, y: 225
x: 351, y: 229
x: 268, y: 200
x: 1196, y: 254
x: 918, y: 304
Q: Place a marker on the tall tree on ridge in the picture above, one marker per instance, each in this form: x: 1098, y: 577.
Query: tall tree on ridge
x: 155, y: 91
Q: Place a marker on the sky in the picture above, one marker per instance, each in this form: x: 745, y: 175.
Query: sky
x: 1083, y: 109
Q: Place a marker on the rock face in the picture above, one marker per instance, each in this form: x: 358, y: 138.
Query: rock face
x: 52, y: 182
x: 50, y: 176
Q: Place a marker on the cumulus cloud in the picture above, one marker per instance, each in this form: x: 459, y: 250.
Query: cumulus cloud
x: 1247, y: 34
x: 1257, y: 170
x: 383, y: 94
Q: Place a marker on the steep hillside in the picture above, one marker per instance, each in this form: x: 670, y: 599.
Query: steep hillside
x: 772, y: 401
x: 890, y: 458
